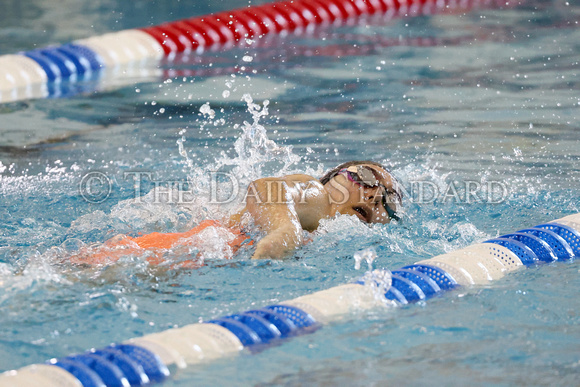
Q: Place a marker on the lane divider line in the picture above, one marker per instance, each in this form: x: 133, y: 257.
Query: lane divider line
x: 147, y: 47
x: 147, y: 360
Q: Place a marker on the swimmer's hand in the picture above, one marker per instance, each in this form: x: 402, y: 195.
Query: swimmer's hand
x: 279, y: 243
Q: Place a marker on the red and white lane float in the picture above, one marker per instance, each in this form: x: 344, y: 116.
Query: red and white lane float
x: 54, y: 71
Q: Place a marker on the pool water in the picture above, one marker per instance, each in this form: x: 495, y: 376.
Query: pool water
x: 452, y: 102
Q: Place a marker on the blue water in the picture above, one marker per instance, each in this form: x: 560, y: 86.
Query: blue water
x: 485, y: 96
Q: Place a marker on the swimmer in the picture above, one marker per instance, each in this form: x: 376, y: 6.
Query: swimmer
x: 282, y: 208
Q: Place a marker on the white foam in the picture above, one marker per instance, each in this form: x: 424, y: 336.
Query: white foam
x: 210, y: 243
x: 36, y: 272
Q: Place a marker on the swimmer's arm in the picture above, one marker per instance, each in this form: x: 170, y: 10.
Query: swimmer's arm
x: 283, y: 208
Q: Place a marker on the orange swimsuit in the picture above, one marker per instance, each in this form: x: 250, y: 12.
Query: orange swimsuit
x: 156, y: 243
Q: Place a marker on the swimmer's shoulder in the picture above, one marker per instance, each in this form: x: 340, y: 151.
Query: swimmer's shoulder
x: 301, y: 178
x: 299, y: 181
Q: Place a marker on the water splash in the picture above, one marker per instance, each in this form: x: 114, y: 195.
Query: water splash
x: 368, y: 255
x: 212, y: 243
x: 161, y: 209
x: 253, y: 152
x: 380, y: 282
x: 37, y: 273
x: 254, y: 149
x: 179, y: 210
x: 207, y: 111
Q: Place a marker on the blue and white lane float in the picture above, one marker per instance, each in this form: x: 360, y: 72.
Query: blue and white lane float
x: 127, y: 56
x: 146, y: 360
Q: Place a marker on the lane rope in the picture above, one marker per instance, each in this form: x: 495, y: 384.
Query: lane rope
x: 147, y: 360
x: 52, y: 71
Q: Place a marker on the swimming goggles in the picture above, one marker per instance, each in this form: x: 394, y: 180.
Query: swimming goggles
x: 369, y: 178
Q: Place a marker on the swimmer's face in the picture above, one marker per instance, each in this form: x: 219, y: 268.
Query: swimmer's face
x: 364, y: 192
